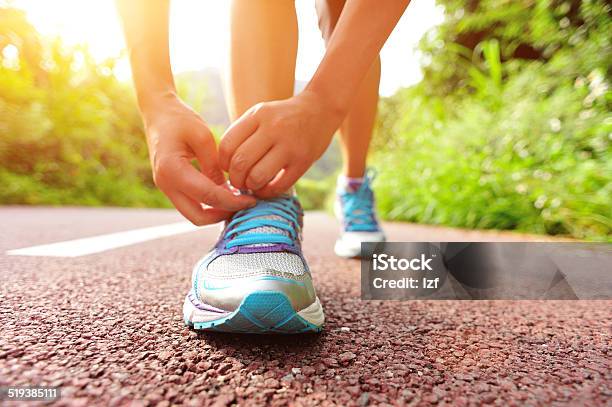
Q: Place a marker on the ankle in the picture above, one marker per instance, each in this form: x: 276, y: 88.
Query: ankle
x: 353, y: 172
x: 351, y: 169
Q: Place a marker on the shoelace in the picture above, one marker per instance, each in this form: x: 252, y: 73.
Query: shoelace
x: 358, y: 208
x: 238, y: 230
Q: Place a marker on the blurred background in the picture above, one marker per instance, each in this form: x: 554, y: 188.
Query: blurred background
x: 495, y: 113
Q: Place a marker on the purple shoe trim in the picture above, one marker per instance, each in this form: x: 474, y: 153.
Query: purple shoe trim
x: 222, y: 249
x: 279, y: 247
x: 204, y: 307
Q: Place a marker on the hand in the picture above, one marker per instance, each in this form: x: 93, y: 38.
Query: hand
x: 274, y: 143
x: 176, y: 135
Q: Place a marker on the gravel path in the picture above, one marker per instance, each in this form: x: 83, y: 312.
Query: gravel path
x: 108, y: 329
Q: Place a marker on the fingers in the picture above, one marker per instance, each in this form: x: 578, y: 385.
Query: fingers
x: 177, y: 174
x: 201, y: 189
x: 205, y: 150
x: 283, y: 182
x: 194, y: 211
x: 245, y: 157
x: 234, y: 136
x: 266, y: 169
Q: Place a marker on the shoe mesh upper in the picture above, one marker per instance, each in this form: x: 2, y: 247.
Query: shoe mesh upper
x: 245, y: 264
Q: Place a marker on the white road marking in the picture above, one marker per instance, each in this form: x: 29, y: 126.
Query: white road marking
x: 101, y: 243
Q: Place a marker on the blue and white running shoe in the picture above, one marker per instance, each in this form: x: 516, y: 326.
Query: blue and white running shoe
x: 356, y: 210
x: 256, y: 280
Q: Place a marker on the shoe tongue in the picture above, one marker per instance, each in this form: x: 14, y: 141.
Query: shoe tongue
x: 349, y: 185
x: 265, y: 229
x: 353, y: 186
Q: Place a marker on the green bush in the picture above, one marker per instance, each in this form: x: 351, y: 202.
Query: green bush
x: 69, y: 131
x: 508, y: 144
x: 315, y: 194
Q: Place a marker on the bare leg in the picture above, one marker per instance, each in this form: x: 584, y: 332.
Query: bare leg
x: 356, y: 130
x: 264, y: 40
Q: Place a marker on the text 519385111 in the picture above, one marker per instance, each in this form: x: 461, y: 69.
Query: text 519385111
x: 29, y: 393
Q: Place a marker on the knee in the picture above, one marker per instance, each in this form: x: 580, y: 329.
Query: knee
x: 328, y: 12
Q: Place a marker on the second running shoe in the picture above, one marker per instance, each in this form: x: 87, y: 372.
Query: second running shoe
x: 356, y: 210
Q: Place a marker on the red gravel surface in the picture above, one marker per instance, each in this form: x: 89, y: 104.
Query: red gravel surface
x: 107, y: 328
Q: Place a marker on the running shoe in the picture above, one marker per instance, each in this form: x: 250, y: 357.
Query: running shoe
x: 256, y: 280
x: 356, y: 210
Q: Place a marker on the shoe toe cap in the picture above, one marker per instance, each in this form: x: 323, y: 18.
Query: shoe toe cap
x: 227, y: 280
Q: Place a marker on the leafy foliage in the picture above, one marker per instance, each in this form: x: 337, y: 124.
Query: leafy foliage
x: 69, y: 131
x: 495, y: 138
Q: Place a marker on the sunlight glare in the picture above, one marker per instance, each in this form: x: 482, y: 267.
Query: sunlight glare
x: 199, y: 35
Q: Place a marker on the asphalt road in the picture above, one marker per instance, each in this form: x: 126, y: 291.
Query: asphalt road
x: 107, y: 328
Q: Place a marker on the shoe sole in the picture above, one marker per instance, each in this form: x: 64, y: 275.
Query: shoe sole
x: 346, y: 252
x: 353, y: 253
x: 261, y: 312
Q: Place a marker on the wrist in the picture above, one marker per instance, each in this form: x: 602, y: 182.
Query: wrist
x: 152, y: 103
x: 334, y: 107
